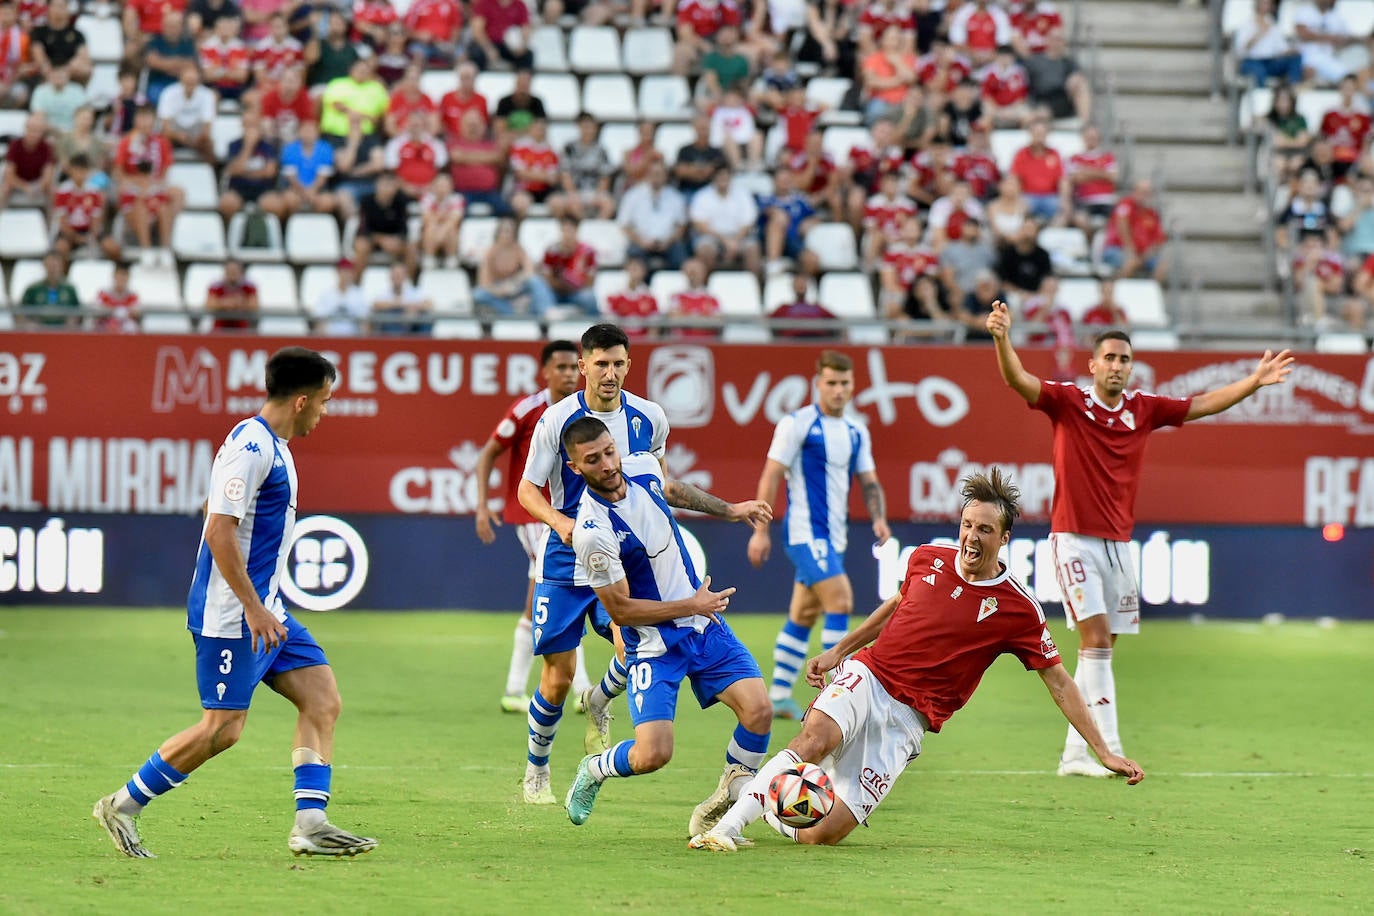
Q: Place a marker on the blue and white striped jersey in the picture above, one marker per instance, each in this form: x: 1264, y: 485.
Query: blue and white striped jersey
x: 637, y: 539
x: 821, y: 454
x: 254, y: 480
x: 638, y: 425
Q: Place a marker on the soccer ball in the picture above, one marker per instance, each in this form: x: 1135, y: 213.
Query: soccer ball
x: 801, y: 796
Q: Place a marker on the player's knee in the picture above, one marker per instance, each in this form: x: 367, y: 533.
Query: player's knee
x: 651, y: 757
x: 757, y: 716
x: 806, y: 616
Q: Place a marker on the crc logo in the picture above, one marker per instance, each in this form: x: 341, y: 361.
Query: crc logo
x: 195, y: 381
x: 682, y: 380
x: 327, y: 565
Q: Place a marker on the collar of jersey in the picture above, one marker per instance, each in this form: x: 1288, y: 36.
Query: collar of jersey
x: 582, y: 399
x: 268, y: 426
x: 1092, y: 393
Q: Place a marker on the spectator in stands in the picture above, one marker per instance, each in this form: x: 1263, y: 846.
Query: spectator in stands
x: 331, y: 56
x: 1288, y: 132
x: 1022, y: 265
x: 1090, y: 180
x: 569, y: 268
x: 1324, y: 39
x: 30, y: 166
x: 785, y: 217
x: 829, y: 37
x: 948, y: 215
x: 1107, y: 312
x: 225, y: 61
x: 167, y: 54
x: 396, y: 57
x: 82, y: 139
x: 961, y: 111
x: 1135, y: 235
x: 724, y: 217
x: 865, y: 167
x: 51, y: 293
x: 127, y: 103
x: 383, y: 222
x: 698, y: 23
x: 492, y: 21
x: 517, y: 111
x: 407, y: 98
x: 978, y: 29
x: 507, y: 283
x: 976, y: 164
x: 120, y: 304
x: 1056, y: 83
x: 977, y: 305
x: 587, y: 173
x: 1008, y: 211
x: 356, y: 166
x: 1346, y: 127
x: 286, y: 106
x: 723, y: 67
x: 17, y: 66
x: 876, y: 18
x: 203, y: 16
x: 770, y: 90
x: 654, y: 217
x: 696, y: 301
x: 1318, y: 279
x: 307, y: 164
x: 1041, y: 171
x: 342, y: 310
x: 534, y: 170
x: 941, y: 70
x: 817, y: 175
x: 441, y: 217
x: 58, y: 98
x: 232, y: 300
x: 906, y: 259
x: 1045, y: 310
x: 402, y: 308
x: 884, y: 216
x: 1358, y: 308
x: 1031, y: 25
x: 185, y: 113
x: 917, y: 124
x: 963, y: 258
x: 477, y: 162
x: 588, y: 12
x: 636, y: 161
x: 143, y: 20
x: 371, y: 20
x: 932, y: 172
x: 250, y: 174
x: 357, y: 99
x: 1005, y: 91
x: 59, y: 43
x: 802, y: 307
x: 735, y: 134
x: 1308, y: 210
x: 1357, y: 226
x: 78, y: 212
x: 257, y: 18
x: 458, y: 101
x: 697, y: 161
x: 885, y: 74
x: 276, y: 52
x: 415, y: 156
x: 434, y: 27
x: 798, y: 118
x: 1263, y: 51
x: 635, y: 302
x: 1321, y: 162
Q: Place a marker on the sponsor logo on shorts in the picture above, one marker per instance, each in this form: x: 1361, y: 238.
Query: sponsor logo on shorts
x: 875, y: 783
x: 234, y: 489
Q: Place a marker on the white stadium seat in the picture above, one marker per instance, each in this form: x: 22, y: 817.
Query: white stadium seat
x: 1347, y: 342
x: 830, y: 92
x: 738, y: 292
x: 276, y: 246
x: 835, y: 245
x: 475, y: 235
x: 165, y: 322
x: 104, y: 37
x: 516, y: 329
x: 838, y: 141
x: 1076, y: 296
x: 103, y: 87
x: 283, y: 326
x: 609, y: 97
x: 23, y: 234
x: 312, y: 238
x: 89, y: 278
x: 550, y: 54
x: 746, y: 334
x: 494, y: 85
x: 536, y: 235
x: 225, y: 129
x: 606, y: 238
x: 594, y: 49
x: 618, y: 139
x: 670, y: 138
x: 197, y: 281
x: 777, y: 290
x: 560, y: 134
x: 447, y: 288
x: 1154, y: 341
x: 278, y: 291
x: 559, y: 93
x: 199, y: 237
x: 570, y: 328
x: 157, y: 287
x: 648, y: 50
x: 1143, y: 302
x: 197, y: 182
x: 438, y: 83
x: 1068, y: 249
x: 607, y: 283
x: 315, y: 279
x: 850, y: 295
x: 23, y: 275
x: 457, y: 329
x: 375, y: 280
x: 665, y: 98
x: 665, y: 284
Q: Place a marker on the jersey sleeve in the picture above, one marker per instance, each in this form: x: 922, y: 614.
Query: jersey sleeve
x: 658, y: 442
x: 240, y: 468
x: 1034, y: 647
x: 1167, y: 411
x: 1053, y: 397
x: 543, y: 457
x: 786, y: 441
x: 641, y: 464
x: 863, y: 461
x: 507, y: 429
x: 598, y: 550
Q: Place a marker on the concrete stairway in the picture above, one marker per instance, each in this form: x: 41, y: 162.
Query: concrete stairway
x: 1159, y: 61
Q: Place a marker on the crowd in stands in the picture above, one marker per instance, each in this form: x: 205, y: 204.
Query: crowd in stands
x: 371, y: 116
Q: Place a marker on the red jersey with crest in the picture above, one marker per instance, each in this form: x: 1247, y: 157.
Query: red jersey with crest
x: 452, y: 107
x: 528, y: 155
x: 798, y: 120
x: 514, y: 433
x: 1097, y: 190
x: 824, y: 167
x: 575, y: 266
x: 1346, y: 130
x: 911, y: 261
x: 888, y: 213
x: 1035, y: 21
x: 403, y: 106
x: 696, y: 303
x: 942, y: 78
x: 271, y: 59
x: 946, y: 632
x: 435, y: 20
x: 78, y: 207
x: 871, y: 165
x: 706, y: 19
x: 879, y: 19
x: 1005, y: 87
x: 633, y: 303
x: 1326, y: 268
x: 979, y: 170
x: 216, y: 55
x: 1143, y: 223
x: 375, y: 13
x: 1098, y: 452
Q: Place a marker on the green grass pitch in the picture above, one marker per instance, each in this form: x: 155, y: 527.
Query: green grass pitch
x: 1260, y: 794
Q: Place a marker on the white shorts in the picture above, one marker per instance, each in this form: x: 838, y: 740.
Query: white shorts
x: 880, y: 736
x: 531, y: 535
x: 1097, y: 576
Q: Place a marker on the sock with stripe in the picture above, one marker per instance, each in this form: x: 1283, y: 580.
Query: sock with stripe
x: 749, y: 806
x: 156, y: 777
x: 749, y: 750
x: 612, y: 684
x: 1098, y: 686
x: 313, y: 777
x: 771, y: 820
x: 543, y: 723
x: 834, y: 629
x: 612, y: 762
x: 521, y: 659
x: 789, y: 657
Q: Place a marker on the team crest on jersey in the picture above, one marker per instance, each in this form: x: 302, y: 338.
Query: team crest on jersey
x: 252, y: 447
x: 635, y: 424
x: 987, y: 609
x: 234, y: 489
x: 938, y: 563
x: 599, y: 562
x: 1128, y: 419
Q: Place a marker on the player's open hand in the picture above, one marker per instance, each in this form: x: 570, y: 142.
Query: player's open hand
x: 881, y: 531
x: 754, y: 511
x: 487, y: 525
x: 999, y: 319
x: 1274, y: 369
x: 1124, y: 766
x: 760, y: 545
x: 563, y: 527
x: 263, y: 628
x: 709, y: 603
x: 820, y: 666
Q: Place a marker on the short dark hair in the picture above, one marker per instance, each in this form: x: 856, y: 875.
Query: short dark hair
x: 834, y: 359
x: 295, y: 370
x: 604, y: 336
x: 78, y: 160
x: 556, y: 346
x: 581, y: 430
x: 1113, y: 334
x: 994, y: 487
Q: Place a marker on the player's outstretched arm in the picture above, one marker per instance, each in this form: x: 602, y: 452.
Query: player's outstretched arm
x: 1013, y: 373
x: 682, y: 495
x: 1070, y: 702
x: 221, y: 537
x: 628, y: 611
x: 854, y: 640
x: 486, y: 520
x: 1272, y: 370
x: 761, y: 541
x: 535, y: 504
x: 876, y: 503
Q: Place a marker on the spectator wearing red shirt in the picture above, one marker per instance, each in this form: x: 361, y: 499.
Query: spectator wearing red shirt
x: 30, y: 165
x: 866, y: 166
x: 1363, y: 301
x: 698, y: 21
x: 458, y: 102
x: 407, y: 99
x: 941, y: 70
x: 534, y: 164
x: 491, y: 21
x: 441, y: 217
x: 884, y: 215
x: 879, y: 16
x: 978, y: 29
x: 476, y: 163
x: 1041, y: 171
x: 1345, y: 127
x: 1005, y: 88
x: 570, y: 269
x: 798, y: 117
x: 78, y: 208
x: 235, y: 295
x: 17, y: 65
x: 1319, y: 279
x: 1091, y: 176
x: 696, y: 301
x: 277, y: 52
x: 635, y: 302
x: 817, y: 175
x: 932, y: 172
x: 142, y: 20
x: 1032, y: 22
x: 371, y: 19
x: 1134, y: 235
x: 1108, y: 312
x: 225, y: 61
x: 905, y: 259
x: 416, y: 156
x: 976, y: 164
x: 803, y: 307
x: 120, y: 304
x: 434, y: 27
x: 287, y: 105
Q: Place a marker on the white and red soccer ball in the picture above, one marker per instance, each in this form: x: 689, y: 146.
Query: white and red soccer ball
x: 800, y: 796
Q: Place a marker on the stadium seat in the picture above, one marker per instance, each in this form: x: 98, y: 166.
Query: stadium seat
x: 89, y: 278
x: 165, y: 322
x: 665, y: 284
x: 1348, y: 342
x: 594, y: 49
x: 475, y: 235
x: 1068, y: 249
x: 312, y: 238
x: 1154, y: 341
x: 197, y: 181
x: 1143, y: 302
x: 830, y: 92
x: 225, y: 129
x: 1358, y: 15
x: 1234, y: 14
x: 1312, y: 104
x: 1006, y: 143
x: 665, y: 98
x: 838, y: 141
x: 617, y: 139
x: 199, y: 237
x: 375, y: 280
x: 157, y: 287
x: 278, y: 292
x: 738, y: 292
x: 23, y: 274
x: 570, y: 328
x: 457, y: 329
x: 760, y: 184
x: 516, y: 329
x: 274, y: 252
x: 103, y: 87
x: 607, y: 238
x: 438, y: 83
x: 669, y: 139
x: 648, y: 50
x: 550, y: 54
x: 777, y: 290
x: 283, y: 326
x: 746, y: 334
x: 559, y: 93
x: 609, y: 97
x: 850, y: 296
x: 23, y: 234
x: 560, y: 134
x: 315, y: 279
x: 448, y: 289
x: 536, y: 235
x: 607, y: 283
x: 835, y: 245
x: 104, y: 37
x: 1254, y: 105
x: 12, y: 124
x: 196, y: 282
x: 494, y: 85
x: 775, y: 140
x: 1076, y: 296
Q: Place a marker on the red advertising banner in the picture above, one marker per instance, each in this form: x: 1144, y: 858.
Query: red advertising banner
x: 92, y: 423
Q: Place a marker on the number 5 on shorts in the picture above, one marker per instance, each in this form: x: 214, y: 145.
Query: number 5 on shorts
x: 541, y: 610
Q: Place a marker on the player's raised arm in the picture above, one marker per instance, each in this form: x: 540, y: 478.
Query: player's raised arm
x: 1271, y: 371
x: 1013, y: 373
x: 1070, y: 702
x: 626, y: 611
x: 854, y: 640
x: 761, y: 541
x: 485, y: 517
x: 681, y: 495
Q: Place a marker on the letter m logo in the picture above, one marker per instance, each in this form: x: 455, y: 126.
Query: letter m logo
x: 195, y: 381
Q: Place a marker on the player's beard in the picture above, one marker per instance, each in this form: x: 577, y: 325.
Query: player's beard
x: 608, y: 486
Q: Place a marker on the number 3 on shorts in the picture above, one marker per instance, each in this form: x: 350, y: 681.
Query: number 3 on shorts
x: 227, y: 663
x: 641, y: 676
x: 541, y: 610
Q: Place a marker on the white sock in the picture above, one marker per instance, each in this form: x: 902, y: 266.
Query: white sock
x: 309, y: 818
x: 1098, y: 686
x: 749, y: 806
x: 771, y: 820
x: 1075, y: 748
x: 521, y: 658
x: 580, y: 680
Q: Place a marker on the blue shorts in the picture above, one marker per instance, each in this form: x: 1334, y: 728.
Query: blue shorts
x: 816, y: 561
x: 712, y: 659
x: 228, y: 670
x: 559, y: 616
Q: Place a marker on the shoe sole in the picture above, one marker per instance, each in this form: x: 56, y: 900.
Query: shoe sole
x: 710, y: 844
x: 350, y: 852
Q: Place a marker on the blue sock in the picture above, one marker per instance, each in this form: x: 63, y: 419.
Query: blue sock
x: 156, y: 777
x: 835, y: 628
x: 612, y: 762
x: 543, y: 723
x: 789, y: 655
x: 747, y: 748
x: 613, y: 684
x: 312, y: 785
